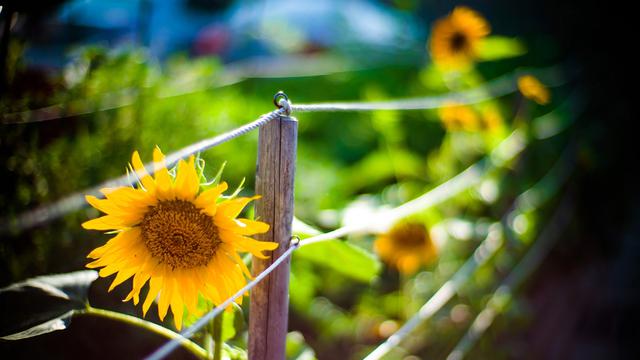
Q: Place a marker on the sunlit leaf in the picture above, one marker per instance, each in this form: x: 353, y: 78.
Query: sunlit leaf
x: 500, y: 47
x: 229, y: 325
x: 342, y: 257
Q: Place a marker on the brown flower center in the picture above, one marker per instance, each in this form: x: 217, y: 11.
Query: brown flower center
x: 409, y: 235
x: 459, y: 42
x: 178, y: 234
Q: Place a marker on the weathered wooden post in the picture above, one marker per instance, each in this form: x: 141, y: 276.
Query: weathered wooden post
x: 269, y: 307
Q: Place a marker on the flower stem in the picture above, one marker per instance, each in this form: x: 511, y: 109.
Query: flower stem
x: 155, y: 328
x: 217, y: 337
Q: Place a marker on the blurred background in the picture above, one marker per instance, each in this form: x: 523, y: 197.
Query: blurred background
x: 84, y: 83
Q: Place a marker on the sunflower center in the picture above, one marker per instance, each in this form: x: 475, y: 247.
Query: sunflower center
x: 178, y: 234
x: 409, y: 235
x: 458, y: 41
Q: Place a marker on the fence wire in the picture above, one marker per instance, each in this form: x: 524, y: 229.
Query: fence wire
x: 172, y: 344
x: 506, y: 151
x: 523, y: 269
x: 76, y: 200
x: 494, y: 88
x: 553, y: 180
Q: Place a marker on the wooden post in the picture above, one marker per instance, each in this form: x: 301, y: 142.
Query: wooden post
x: 269, y: 307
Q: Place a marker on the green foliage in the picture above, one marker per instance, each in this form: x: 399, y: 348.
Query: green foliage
x: 349, y: 166
x: 342, y: 257
x: 500, y: 47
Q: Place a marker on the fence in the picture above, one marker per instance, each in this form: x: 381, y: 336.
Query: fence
x: 274, y: 180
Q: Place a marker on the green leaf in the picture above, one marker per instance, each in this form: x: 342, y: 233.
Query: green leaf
x: 229, y: 325
x: 500, y: 47
x: 43, y: 304
x: 342, y: 257
x: 303, y: 281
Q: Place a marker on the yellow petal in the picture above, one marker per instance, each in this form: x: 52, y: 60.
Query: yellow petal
x: 127, y: 197
x: 130, y: 215
x: 247, y: 244
x: 154, y: 288
x: 187, y: 182
x: 189, y: 291
x: 139, y: 279
x: 108, y: 222
x: 163, y: 179
x: 123, y: 274
x: 237, y: 259
x: 232, y: 208
x: 242, y: 226
x: 177, y: 307
x: 207, y: 199
x: 143, y: 175
x: 165, y: 297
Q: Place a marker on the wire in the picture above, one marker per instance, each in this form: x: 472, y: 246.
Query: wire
x: 483, y: 252
x: 559, y: 173
x: 171, y: 345
x: 496, y: 88
x: 530, y: 199
x: 525, y: 267
x: 506, y: 151
x: 76, y: 200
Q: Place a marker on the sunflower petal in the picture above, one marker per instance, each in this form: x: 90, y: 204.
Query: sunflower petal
x: 127, y: 197
x: 143, y: 175
x: 177, y: 307
x: 155, y: 284
x: 232, y: 208
x: 248, y: 244
x: 242, y: 226
x: 107, y: 222
x: 163, y: 179
x: 187, y: 183
x: 165, y: 298
x: 123, y: 274
x: 207, y: 199
x: 237, y: 259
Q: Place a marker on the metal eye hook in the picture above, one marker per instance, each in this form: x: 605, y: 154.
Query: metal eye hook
x: 281, y: 101
x: 295, y: 240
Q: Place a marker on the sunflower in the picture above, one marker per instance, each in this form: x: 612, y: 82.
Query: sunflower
x: 456, y: 38
x: 459, y: 117
x: 533, y: 89
x: 491, y: 118
x: 406, y: 246
x: 181, y: 240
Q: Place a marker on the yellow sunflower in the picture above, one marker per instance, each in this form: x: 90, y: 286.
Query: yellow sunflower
x: 457, y: 117
x: 491, y: 118
x: 533, y: 89
x: 181, y: 240
x: 406, y: 246
x: 456, y: 38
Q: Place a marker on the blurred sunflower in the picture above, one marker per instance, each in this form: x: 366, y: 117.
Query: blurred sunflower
x: 456, y: 117
x: 456, y: 38
x: 533, y: 89
x: 491, y: 118
x: 181, y: 240
x: 406, y: 246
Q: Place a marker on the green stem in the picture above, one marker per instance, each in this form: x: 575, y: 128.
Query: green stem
x: 155, y: 328
x: 217, y: 337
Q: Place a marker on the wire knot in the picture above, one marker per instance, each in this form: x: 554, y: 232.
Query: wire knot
x: 281, y: 101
